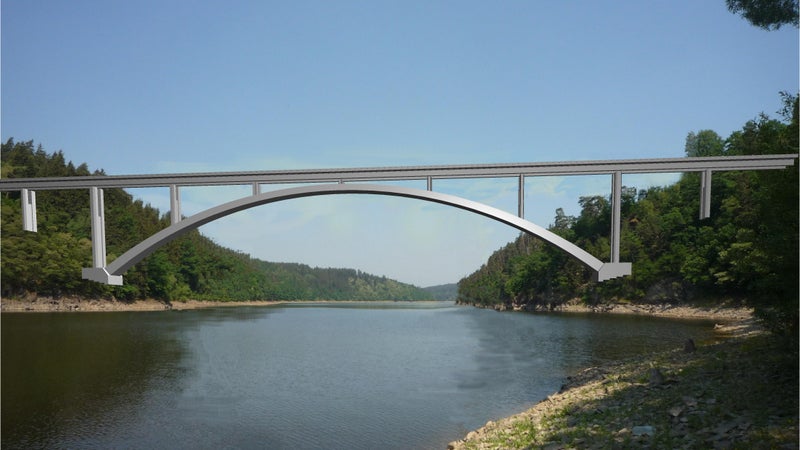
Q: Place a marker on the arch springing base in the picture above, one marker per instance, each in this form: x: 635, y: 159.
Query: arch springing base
x: 101, y: 275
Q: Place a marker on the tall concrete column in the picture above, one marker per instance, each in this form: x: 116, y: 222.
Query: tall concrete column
x: 98, y: 270
x: 705, y: 194
x: 174, y: 204
x: 28, y: 200
x: 521, y: 197
x: 616, y: 212
x: 97, y: 210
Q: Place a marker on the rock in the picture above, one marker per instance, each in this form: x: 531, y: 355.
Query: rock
x: 690, y: 401
x: 643, y: 430
x: 689, y: 346
x: 723, y: 444
x: 667, y: 291
x: 675, y: 411
x: 656, y: 377
x: 572, y: 421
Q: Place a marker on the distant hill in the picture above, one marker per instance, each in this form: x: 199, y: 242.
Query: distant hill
x: 443, y: 292
x: 48, y: 263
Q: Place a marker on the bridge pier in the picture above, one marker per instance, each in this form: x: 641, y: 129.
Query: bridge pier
x: 614, y: 268
x: 98, y: 222
x: 174, y: 203
x: 28, y: 200
x: 616, y: 213
x: 705, y: 194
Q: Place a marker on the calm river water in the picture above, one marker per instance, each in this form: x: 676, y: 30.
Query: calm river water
x: 296, y: 377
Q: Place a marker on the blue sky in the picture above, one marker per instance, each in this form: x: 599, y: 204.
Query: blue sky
x: 185, y: 86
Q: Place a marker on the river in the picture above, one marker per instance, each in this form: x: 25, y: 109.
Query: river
x: 333, y: 376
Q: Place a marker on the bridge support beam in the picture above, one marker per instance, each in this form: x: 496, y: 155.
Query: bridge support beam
x: 614, y: 268
x: 28, y: 200
x: 98, y: 222
x: 611, y: 270
x: 521, y: 198
x: 616, y: 212
x: 174, y: 204
x: 705, y: 194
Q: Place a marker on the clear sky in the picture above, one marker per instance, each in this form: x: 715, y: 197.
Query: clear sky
x: 184, y: 86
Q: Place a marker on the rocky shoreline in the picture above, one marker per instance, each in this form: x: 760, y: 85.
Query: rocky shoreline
x: 739, y: 393
x: 721, y: 313
x: 75, y: 304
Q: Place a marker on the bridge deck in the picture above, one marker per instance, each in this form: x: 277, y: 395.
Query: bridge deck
x: 664, y: 165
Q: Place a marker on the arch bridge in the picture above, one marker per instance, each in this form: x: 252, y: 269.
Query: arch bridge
x: 356, y: 181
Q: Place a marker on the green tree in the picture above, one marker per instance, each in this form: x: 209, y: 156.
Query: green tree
x: 766, y: 14
x: 704, y: 143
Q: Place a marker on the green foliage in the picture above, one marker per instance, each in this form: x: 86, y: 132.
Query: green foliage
x: 192, y: 267
x: 766, y: 14
x: 704, y: 143
x: 747, y: 250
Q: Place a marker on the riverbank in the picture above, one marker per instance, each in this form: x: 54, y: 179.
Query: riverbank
x: 75, y: 304
x: 739, y: 393
x: 716, y: 311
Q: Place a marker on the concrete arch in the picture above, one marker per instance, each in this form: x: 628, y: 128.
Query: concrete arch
x: 112, y: 274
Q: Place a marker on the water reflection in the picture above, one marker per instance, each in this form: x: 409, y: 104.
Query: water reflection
x: 65, y: 378
x: 244, y: 314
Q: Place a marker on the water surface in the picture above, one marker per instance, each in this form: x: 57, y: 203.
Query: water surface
x: 328, y: 376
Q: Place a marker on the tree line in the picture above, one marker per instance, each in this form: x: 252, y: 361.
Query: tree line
x: 49, y: 263
x: 746, y: 251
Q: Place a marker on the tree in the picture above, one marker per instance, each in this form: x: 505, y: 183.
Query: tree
x: 766, y: 14
x: 562, y: 223
x: 704, y: 143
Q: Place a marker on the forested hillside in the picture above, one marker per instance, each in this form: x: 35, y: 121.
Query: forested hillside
x: 192, y: 267
x: 747, y: 250
x: 444, y: 292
